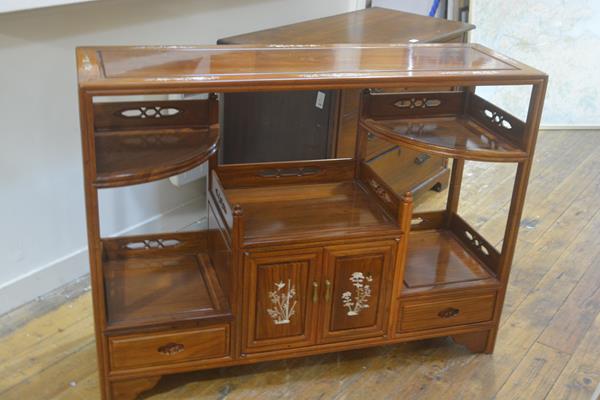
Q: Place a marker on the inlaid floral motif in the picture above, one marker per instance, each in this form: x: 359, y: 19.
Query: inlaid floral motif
x: 283, y: 303
x: 362, y: 291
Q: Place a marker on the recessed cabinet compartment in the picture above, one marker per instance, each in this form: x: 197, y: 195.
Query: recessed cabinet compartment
x: 169, y: 347
x: 439, y: 313
x: 154, y: 280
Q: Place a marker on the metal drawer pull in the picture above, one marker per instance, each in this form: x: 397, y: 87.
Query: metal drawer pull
x: 448, y: 312
x: 170, y: 349
x: 315, y: 292
x: 328, y: 290
x: 421, y: 158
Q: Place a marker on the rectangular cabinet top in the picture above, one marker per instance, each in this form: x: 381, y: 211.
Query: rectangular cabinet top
x: 158, y: 69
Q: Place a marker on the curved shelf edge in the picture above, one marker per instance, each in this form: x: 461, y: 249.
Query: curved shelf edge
x: 153, y: 171
x: 475, y: 155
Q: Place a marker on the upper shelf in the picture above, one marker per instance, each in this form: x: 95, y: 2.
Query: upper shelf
x: 449, y: 124
x: 137, y: 142
x: 120, y: 70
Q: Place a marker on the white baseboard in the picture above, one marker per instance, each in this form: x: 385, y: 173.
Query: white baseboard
x: 59, y: 272
x: 572, y: 127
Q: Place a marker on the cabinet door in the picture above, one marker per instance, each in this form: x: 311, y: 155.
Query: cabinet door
x: 282, y: 294
x: 357, y: 290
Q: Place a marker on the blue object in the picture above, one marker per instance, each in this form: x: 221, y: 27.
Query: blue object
x: 434, y: 7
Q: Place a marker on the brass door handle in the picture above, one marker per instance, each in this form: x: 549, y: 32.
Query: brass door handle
x: 421, y: 158
x: 170, y: 349
x: 327, y: 290
x: 315, y: 292
x: 448, y: 312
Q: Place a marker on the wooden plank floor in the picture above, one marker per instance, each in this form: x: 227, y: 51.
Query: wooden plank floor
x: 548, y: 347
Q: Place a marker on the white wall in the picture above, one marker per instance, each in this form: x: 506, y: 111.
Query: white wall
x: 562, y: 38
x: 42, y: 225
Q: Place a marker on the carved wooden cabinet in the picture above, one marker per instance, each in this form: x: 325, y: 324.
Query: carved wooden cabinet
x: 299, y: 257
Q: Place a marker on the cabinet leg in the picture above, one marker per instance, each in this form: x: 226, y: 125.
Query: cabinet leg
x: 476, y: 342
x: 130, y: 389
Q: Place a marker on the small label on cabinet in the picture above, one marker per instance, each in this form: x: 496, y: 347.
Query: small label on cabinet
x: 320, y: 100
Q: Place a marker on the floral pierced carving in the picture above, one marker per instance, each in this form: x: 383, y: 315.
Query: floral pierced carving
x: 380, y: 191
x: 150, y: 112
x: 283, y: 303
x: 151, y: 244
x: 497, y: 119
x: 358, y: 301
x: 414, y: 102
x: 477, y: 242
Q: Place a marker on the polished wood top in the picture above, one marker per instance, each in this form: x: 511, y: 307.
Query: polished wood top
x: 160, y: 69
x: 371, y: 25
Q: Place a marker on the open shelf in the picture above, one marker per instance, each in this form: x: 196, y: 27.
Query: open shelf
x: 459, y: 137
x: 137, y: 156
x: 160, y: 279
x: 138, y: 142
x: 448, y: 124
x: 454, y: 258
x: 309, y: 211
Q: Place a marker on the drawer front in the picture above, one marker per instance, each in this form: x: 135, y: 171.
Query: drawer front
x: 401, y: 168
x: 430, y: 314
x: 163, y: 348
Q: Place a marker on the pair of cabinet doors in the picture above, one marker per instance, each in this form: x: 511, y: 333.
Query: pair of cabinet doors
x: 297, y: 298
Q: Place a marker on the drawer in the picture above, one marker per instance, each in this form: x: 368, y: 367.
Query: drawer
x: 430, y: 314
x: 401, y: 168
x: 169, y: 347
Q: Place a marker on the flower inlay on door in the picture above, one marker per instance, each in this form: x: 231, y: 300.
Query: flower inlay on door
x: 283, y: 303
x: 362, y: 291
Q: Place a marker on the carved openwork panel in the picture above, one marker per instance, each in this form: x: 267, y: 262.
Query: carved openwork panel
x: 148, y: 112
x: 420, y: 102
x: 150, y: 244
x: 153, y: 114
x: 392, y: 105
x: 496, y: 119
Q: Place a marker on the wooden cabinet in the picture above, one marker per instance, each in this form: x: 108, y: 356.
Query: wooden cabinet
x: 282, y: 298
x: 357, y: 290
x: 341, y: 289
x: 300, y: 257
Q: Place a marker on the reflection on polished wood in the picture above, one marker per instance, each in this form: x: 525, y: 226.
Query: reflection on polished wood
x: 159, y: 284
x: 263, y: 67
x: 448, y: 136
x: 135, y: 156
x: 371, y: 25
x: 315, y: 210
x: 437, y: 258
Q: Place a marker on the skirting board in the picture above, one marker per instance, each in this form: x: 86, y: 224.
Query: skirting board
x: 570, y: 127
x: 57, y: 273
